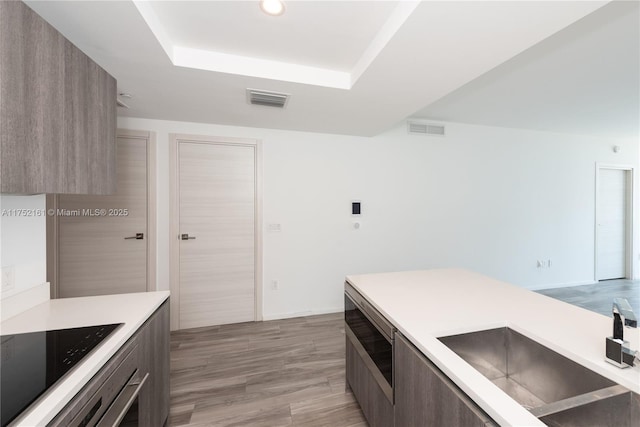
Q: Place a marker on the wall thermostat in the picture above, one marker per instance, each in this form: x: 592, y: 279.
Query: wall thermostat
x: 355, y: 207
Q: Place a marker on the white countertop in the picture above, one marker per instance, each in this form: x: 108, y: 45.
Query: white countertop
x: 424, y: 305
x: 131, y: 309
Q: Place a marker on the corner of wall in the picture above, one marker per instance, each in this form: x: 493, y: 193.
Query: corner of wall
x: 23, y: 251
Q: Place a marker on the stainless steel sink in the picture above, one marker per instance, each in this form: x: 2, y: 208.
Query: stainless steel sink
x: 620, y: 409
x: 559, y: 391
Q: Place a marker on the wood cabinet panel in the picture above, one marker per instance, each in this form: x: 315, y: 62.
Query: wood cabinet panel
x: 31, y: 90
x: 90, y: 125
x: 102, y: 128
x: 154, y: 354
x: 426, y: 397
x: 76, y: 132
x: 57, y: 111
x: 374, y: 404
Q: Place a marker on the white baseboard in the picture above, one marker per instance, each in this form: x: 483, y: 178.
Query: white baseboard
x: 291, y: 315
x: 15, y: 304
x: 559, y: 285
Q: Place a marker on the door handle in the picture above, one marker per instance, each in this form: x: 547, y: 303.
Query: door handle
x: 187, y: 237
x: 138, y: 236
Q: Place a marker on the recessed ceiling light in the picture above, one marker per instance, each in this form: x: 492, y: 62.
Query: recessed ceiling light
x: 272, y: 7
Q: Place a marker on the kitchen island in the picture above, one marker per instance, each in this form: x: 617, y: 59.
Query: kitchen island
x: 132, y: 310
x: 427, y: 305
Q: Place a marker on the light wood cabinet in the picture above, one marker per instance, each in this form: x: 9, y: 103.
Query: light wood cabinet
x: 57, y: 111
x: 377, y: 409
x: 424, y: 396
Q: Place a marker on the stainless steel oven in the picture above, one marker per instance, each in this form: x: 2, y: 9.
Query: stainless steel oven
x: 115, y: 403
x: 372, y: 336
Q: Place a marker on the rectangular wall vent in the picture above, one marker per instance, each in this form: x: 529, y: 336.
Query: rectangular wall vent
x: 267, y: 98
x: 421, y: 128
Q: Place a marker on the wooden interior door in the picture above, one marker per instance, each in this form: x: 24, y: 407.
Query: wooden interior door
x: 217, y: 229
x: 612, y: 227
x: 102, y: 240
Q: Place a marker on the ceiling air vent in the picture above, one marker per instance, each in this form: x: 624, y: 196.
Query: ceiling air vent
x: 267, y: 98
x: 421, y: 128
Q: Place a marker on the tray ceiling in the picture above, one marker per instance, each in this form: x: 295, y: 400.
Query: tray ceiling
x: 355, y: 67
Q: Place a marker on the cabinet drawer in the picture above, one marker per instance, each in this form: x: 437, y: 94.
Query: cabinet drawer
x: 425, y: 396
x: 375, y: 405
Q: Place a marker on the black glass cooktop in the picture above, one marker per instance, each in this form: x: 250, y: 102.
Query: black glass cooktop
x: 33, y: 362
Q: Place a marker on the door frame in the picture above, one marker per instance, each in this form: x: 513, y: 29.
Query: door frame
x: 629, y: 226
x: 53, y: 224
x: 174, y: 217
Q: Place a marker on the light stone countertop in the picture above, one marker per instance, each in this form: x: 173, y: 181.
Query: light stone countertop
x: 131, y: 309
x: 425, y: 305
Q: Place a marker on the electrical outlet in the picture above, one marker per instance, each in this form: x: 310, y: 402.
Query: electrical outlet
x: 8, y: 279
x: 540, y: 264
x: 274, y: 285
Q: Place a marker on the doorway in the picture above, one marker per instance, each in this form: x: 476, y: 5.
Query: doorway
x: 215, y: 231
x: 614, y: 215
x: 99, y: 245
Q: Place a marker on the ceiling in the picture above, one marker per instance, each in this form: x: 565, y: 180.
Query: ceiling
x: 241, y: 28
x: 361, y: 67
x: 584, y: 80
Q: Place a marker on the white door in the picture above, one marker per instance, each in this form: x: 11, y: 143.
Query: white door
x: 612, y: 223
x: 217, y: 233
x: 102, y: 240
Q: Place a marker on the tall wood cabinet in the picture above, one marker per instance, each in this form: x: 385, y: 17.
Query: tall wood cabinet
x: 427, y: 397
x: 57, y: 111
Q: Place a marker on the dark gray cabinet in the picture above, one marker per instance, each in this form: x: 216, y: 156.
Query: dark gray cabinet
x: 57, y: 111
x: 375, y: 405
x: 154, y: 359
x: 424, y: 396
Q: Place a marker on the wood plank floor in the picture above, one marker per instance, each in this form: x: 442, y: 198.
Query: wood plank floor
x: 278, y: 373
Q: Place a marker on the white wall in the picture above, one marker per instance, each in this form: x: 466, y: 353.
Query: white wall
x: 23, y: 245
x: 493, y: 200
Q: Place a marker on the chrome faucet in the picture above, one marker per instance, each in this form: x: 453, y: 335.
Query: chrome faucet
x: 618, y: 351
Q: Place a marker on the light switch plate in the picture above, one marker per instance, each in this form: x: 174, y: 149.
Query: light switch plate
x: 273, y: 227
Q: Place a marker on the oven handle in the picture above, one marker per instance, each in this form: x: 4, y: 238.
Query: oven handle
x: 122, y: 403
